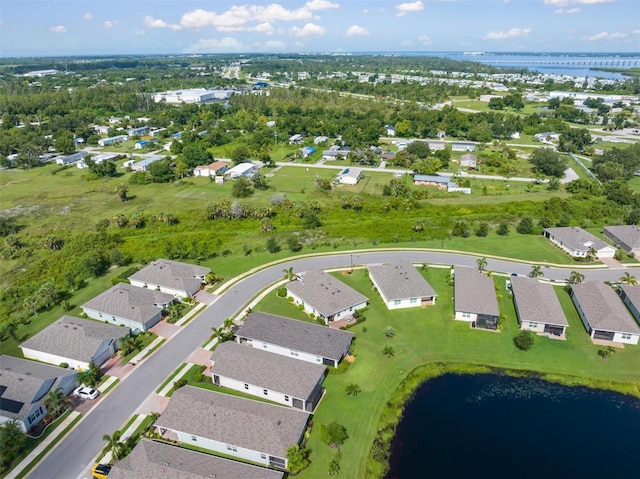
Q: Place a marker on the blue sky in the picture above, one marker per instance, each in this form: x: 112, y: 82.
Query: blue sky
x: 103, y: 27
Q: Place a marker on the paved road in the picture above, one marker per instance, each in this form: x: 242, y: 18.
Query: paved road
x: 73, y: 454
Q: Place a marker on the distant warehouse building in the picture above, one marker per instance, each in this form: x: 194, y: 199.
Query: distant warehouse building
x: 113, y: 140
x: 192, y: 95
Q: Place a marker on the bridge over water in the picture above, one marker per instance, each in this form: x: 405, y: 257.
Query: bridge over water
x: 589, y: 63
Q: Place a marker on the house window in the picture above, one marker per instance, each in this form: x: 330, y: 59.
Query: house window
x: 263, y: 456
x: 246, y: 386
x: 264, y: 346
x: 232, y: 448
x: 194, y: 438
x: 413, y: 300
x: 626, y: 335
x: 396, y: 302
x: 466, y: 315
x: 265, y: 392
x: 286, y: 398
x: 294, y: 353
x: 533, y: 325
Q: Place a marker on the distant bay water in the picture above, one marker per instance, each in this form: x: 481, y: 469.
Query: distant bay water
x: 493, y: 426
x: 570, y: 64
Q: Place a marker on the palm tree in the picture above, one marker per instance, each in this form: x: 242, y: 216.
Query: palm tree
x: 55, y: 402
x: 122, y: 192
x: 113, y: 444
x: 482, y: 263
x: 576, y: 277
x: 130, y: 343
x: 289, y: 274
x: 388, y: 351
x: 352, y: 389
x: 389, y: 332
x: 629, y: 279
x: 536, y: 271
x: 592, y: 254
x: 228, y: 324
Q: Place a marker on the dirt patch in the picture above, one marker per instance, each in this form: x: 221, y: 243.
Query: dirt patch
x: 350, y: 358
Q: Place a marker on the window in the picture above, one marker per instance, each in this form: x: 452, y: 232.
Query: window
x: 294, y: 353
x: 246, y: 386
x: 533, y: 325
x: 194, y: 438
x: 413, y: 300
x: 286, y: 398
x: 466, y: 315
x: 232, y: 448
x: 265, y: 392
x: 264, y: 345
x: 263, y: 456
x: 396, y: 302
x: 626, y: 335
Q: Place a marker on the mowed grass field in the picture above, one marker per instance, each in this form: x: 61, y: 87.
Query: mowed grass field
x: 430, y: 335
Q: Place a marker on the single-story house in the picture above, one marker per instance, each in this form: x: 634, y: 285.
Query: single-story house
x: 626, y: 237
x: 72, y: 158
x: 435, y: 145
x: 242, y: 169
x: 97, y: 159
x: 469, y: 160
x: 133, y: 307
x: 349, y: 176
x: 388, y: 155
x: 390, y: 129
x: 474, y: 297
x: 630, y: 295
x: 441, y: 182
x: 212, y: 169
x: 307, y: 151
x: 24, y: 385
x: 401, y: 285
x: 280, y: 379
x: 295, y: 339
x: 325, y: 297
x: 335, y: 152
x: 139, y: 145
x: 296, y: 139
x: 151, y: 458
x: 320, y: 139
x: 547, y: 136
x: 234, y: 426
x: 75, y: 341
x: 101, y: 129
x: 172, y: 277
x: 603, y: 313
x: 142, y: 165
x: 113, y: 140
x: 538, y: 307
x: 463, y: 146
x: 155, y: 132
x: 578, y: 242
x: 138, y: 131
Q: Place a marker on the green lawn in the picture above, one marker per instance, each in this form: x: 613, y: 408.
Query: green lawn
x: 429, y: 335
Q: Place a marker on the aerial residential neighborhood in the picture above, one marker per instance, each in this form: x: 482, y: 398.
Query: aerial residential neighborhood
x: 253, y: 265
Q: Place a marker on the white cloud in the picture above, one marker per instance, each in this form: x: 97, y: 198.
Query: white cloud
x: 320, y: 5
x: 504, y: 35
x: 564, y: 3
x: 424, y: 39
x: 635, y: 32
x: 273, y: 45
x: 568, y: 11
x: 88, y: 16
x: 405, y: 8
x: 265, y: 28
x: 607, y: 36
x: 58, y: 29
x: 151, y: 22
x: 309, y: 30
x: 237, y: 17
x: 406, y: 43
x: 209, y: 45
x: 109, y: 24
x: 356, y: 30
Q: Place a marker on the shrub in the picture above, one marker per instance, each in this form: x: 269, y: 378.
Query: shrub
x: 179, y: 383
x: 281, y: 292
x: 301, y: 307
x: 64, y: 365
x: 524, y: 340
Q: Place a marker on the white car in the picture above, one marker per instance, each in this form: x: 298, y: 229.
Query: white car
x: 84, y: 392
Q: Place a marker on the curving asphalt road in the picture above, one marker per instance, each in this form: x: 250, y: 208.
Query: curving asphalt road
x: 72, y: 455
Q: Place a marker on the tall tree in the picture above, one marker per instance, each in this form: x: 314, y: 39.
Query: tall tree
x: 628, y: 278
x: 55, y: 402
x: 482, y: 263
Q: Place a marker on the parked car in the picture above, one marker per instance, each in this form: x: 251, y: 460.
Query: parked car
x: 101, y: 471
x: 84, y: 392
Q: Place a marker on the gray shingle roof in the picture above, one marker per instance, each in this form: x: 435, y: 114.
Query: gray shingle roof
x: 633, y: 293
x: 299, y: 335
x: 474, y: 292
x: 400, y: 281
x: 233, y: 420
x: 537, y: 302
x: 324, y: 293
x: 130, y: 302
x: 270, y: 371
x: 74, y: 338
x: 21, y: 380
x: 156, y: 460
x: 577, y: 238
x: 627, y: 236
x: 172, y: 274
x: 603, y: 308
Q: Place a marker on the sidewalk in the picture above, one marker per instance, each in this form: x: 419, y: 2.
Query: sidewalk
x: 190, y: 314
x: 183, y: 370
x: 105, y: 385
x: 43, y: 445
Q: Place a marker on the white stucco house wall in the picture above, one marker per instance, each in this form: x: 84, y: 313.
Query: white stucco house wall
x: 179, y: 279
x: 401, y: 285
x: 578, y: 242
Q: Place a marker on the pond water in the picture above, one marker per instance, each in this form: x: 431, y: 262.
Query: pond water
x: 477, y: 426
